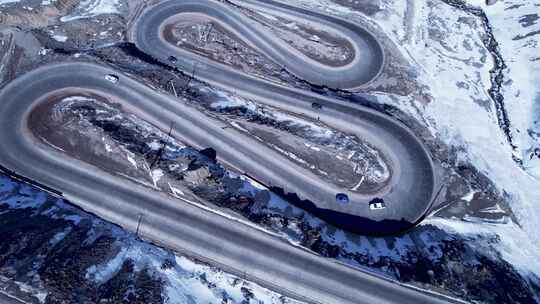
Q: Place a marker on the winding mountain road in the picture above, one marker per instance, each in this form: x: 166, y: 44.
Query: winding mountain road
x: 409, y: 192
x: 235, y: 247
x: 148, y: 34
x: 226, y: 243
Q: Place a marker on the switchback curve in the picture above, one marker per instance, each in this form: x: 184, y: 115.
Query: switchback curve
x: 365, y: 66
x: 410, y: 191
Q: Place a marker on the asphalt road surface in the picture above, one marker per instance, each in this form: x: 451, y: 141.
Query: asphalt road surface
x: 235, y: 247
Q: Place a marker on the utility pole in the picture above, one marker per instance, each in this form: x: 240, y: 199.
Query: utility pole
x: 139, y: 221
x: 173, y: 88
x: 160, y: 152
x: 190, y: 78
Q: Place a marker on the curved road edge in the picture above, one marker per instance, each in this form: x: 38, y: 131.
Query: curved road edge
x: 237, y: 248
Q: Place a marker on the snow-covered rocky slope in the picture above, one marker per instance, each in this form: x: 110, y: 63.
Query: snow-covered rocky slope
x: 516, y: 25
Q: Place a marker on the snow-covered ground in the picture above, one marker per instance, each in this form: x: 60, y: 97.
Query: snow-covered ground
x: 516, y: 24
x: 91, y: 8
x: 7, y: 1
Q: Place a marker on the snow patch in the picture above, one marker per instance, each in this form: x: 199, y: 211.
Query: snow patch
x: 92, y: 8
x: 60, y: 38
x: 102, y: 273
x: 2, y: 2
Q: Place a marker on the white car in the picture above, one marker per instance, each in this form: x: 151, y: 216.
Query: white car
x: 112, y: 78
x: 377, y: 206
